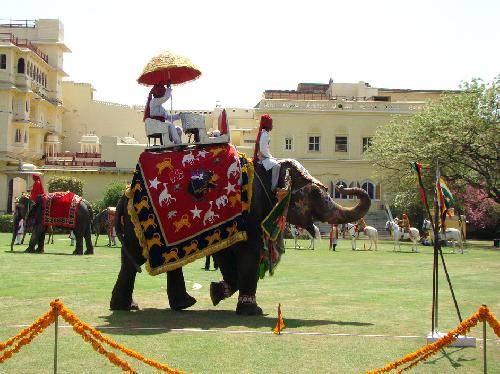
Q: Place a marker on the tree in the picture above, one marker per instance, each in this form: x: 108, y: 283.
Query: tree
x: 66, y: 184
x: 460, y: 131
x: 112, y: 194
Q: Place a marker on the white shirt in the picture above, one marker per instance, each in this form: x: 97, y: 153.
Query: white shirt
x: 156, y: 108
x: 265, y: 157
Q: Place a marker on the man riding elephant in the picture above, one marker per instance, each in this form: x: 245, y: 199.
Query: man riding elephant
x: 239, y: 263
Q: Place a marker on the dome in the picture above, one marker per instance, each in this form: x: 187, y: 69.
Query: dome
x: 129, y: 140
x: 28, y: 167
x: 52, y: 138
x: 90, y: 139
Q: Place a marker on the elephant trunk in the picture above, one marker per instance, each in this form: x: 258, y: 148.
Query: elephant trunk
x: 337, y: 214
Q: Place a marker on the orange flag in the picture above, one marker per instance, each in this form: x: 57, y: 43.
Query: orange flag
x: 280, y: 325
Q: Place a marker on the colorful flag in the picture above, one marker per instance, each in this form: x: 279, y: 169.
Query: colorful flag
x: 417, y: 167
x: 280, y: 325
x: 445, y: 199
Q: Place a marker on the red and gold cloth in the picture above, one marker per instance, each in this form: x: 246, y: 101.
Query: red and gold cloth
x: 186, y: 204
x: 60, y: 209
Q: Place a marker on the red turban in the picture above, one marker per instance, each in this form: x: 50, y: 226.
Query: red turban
x: 158, y: 90
x: 266, y: 122
x: 37, y: 188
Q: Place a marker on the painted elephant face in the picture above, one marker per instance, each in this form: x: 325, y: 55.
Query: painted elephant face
x: 312, y: 203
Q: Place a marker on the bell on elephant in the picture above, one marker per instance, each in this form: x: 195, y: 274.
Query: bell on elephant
x: 239, y: 263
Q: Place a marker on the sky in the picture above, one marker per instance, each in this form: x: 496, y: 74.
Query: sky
x: 246, y: 47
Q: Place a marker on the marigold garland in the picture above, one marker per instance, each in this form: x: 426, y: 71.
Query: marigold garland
x: 93, y: 337
x: 422, y: 354
x: 81, y: 328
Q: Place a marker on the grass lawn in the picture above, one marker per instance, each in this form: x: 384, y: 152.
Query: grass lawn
x: 323, y: 294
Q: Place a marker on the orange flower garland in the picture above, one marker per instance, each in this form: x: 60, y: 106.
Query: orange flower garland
x: 81, y: 328
x: 414, y: 358
x: 26, y: 336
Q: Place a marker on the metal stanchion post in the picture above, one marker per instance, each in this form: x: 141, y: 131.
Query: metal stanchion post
x: 56, y: 328
x: 485, y: 370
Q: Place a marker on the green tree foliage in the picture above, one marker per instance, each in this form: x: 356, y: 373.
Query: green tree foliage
x: 66, y: 184
x: 459, y: 130
x: 112, y: 194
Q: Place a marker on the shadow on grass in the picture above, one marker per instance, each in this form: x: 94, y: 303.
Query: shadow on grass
x: 157, y: 321
x: 44, y: 253
x: 454, y: 362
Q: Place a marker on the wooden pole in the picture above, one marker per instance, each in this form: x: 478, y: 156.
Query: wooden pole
x: 485, y: 369
x: 56, y: 328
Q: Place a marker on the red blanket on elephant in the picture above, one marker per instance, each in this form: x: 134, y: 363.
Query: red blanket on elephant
x: 60, y: 209
x: 188, y: 204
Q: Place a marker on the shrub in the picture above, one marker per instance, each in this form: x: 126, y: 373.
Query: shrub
x: 66, y: 184
x: 112, y: 194
x: 6, y: 223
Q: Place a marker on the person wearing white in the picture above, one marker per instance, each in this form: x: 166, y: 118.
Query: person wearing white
x: 262, y: 152
x: 156, y: 109
x: 20, y: 232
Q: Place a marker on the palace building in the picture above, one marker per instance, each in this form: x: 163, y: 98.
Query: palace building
x: 54, y: 127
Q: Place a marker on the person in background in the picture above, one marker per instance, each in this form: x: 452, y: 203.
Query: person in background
x: 72, y: 238
x: 207, y: 263
x: 262, y: 153
x: 334, y: 236
x: 20, y: 232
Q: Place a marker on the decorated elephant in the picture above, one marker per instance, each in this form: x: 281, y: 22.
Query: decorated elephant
x: 104, y: 221
x: 76, y: 216
x: 239, y: 263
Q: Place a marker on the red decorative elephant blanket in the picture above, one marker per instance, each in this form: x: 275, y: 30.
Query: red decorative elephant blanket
x: 188, y: 204
x: 60, y: 209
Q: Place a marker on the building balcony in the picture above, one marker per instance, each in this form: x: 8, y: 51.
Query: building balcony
x: 81, y: 164
x: 340, y: 106
x: 6, y: 37
x: 21, y: 118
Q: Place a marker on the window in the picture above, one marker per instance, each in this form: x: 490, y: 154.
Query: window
x: 26, y: 137
x: 3, y: 61
x: 288, y: 144
x: 367, y: 142
x: 352, y: 185
x: 17, y: 138
x: 27, y: 105
x: 314, y: 143
x: 336, y: 193
x: 20, y: 66
x: 369, y: 187
x: 341, y: 144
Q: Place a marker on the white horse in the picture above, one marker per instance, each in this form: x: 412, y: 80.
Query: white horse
x: 296, y: 233
x: 399, y: 234
x: 369, y: 231
x: 451, y: 234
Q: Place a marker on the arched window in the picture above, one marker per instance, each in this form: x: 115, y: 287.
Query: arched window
x: 352, y: 185
x: 369, y: 187
x: 335, y: 193
x: 20, y: 66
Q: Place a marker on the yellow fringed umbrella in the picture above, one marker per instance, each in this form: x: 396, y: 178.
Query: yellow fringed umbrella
x: 168, y: 67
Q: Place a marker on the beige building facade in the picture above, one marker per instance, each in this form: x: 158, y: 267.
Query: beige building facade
x: 55, y: 127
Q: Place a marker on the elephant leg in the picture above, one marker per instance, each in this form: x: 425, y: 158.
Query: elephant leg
x: 226, y: 262
x: 96, y: 237
x: 24, y: 235
x: 79, y: 243
x: 121, y: 297
x: 88, y: 242
x: 178, y: 298
x: 247, y: 261
x: 41, y: 242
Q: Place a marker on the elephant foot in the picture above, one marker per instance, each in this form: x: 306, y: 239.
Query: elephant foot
x: 77, y: 253
x: 127, y: 308
x: 87, y: 252
x: 39, y: 251
x: 29, y: 250
x: 220, y: 291
x: 185, y: 303
x: 247, y: 306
